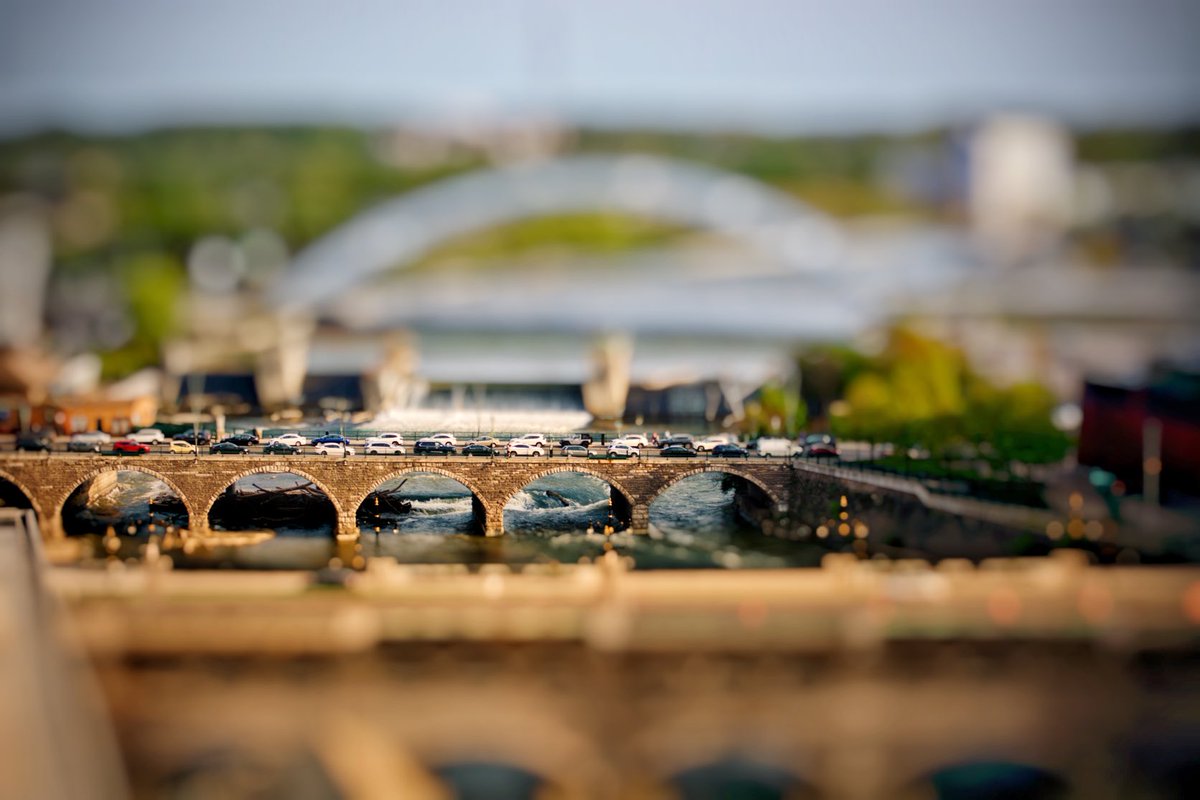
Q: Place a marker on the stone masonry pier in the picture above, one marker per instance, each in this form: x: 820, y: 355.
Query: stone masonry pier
x: 48, y: 481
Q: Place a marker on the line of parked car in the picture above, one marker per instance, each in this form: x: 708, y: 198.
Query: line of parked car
x: 576, y: 445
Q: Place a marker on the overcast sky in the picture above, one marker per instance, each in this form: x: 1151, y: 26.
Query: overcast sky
x: 766, y: 64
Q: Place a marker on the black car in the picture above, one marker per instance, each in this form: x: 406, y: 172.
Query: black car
x: 281, y: 449
x: 730, y: 451
x: 227, y: 448
x: 83, y: 446
x: 244, y: 439
x: 677, y: 451
x: 191, y: 437
x: 34, y: 442
x: 433, y: 447
x: 582, y: 439
x: 476, y: 450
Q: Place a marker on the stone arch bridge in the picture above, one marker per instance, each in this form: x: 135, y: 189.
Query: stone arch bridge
x: 48, y: 481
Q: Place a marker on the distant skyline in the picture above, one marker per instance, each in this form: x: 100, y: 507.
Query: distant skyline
x: 769, y: 65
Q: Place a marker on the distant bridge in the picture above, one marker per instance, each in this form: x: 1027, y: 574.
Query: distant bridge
x: 399, y: 231
x: 48, y: 481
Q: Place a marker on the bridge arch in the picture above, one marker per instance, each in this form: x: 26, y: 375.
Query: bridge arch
x: 624, y: 502
x: 745, y: 475
x: 615, y: 483
x: 31, y: 497
x: 124, y: 466
x: 276, y: 469
x: 484, y: 506
x: 402, y: 229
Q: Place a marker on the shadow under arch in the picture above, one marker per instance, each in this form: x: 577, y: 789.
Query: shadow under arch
x: 14, y: 494
x: 621, y: 499
x: 128, y: 466
x: 741, y: 778
x: 332, y: 517
x: 988, y: 780
x: 480, y: 508
x: 490, y: 780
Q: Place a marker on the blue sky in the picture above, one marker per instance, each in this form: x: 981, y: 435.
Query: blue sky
x: 753, y: 64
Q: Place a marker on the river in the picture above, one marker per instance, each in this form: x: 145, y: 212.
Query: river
x: 557, y: 519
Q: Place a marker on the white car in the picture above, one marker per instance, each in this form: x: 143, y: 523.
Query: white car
x: 637, y: 440
x: 709, y: 442
x: 784, y: 448
x: 383, y: 447
x: 534, y: 439
x: 294, y: 439
x: 388, y: 437
x: 333, y: 449
x: 99, y: 437
x: 448, y: 438
x: 520, y: 448
x: 148, y: 436
x: 622, y: 450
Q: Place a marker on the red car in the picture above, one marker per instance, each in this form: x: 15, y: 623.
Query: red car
x: 128, y: 447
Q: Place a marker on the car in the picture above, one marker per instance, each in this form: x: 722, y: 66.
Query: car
x: 487, y: 441
x: 523, y: 448
x: 34, y: 442
x: 478, y: 449
x: 383, y: 447
x: 278, y: 448
x: 148, y: 436
x: 730, y: 451
x: 193, y: 437
x: 820, y: 445
x: 768, y: 446
x: 714, y: 441
x: 531, y: 439
x: 388, y: 437
x: 228, y: 449
x: 633, y: 440
x: 180, y: 446
x: 448, y: 438
x: 333, y: 449
x: 331, y: 438
x: 574, y: 451
x: 583, y: 439
x: 677, y: 451
x: 99, y: 437
x: 83, y: 446
x: 294, y: 439
x: 680, y: 440
x: 128, y: 447
x: 431, y: 446
x: 620, y: 450
x: 244, y: 439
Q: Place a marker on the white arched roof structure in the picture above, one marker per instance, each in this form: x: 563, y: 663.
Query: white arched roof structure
x: 402, y: 229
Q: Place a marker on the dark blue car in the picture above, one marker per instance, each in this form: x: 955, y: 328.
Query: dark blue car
x: 331, y: 438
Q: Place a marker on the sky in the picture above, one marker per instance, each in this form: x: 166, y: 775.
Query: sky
x: 778, y: 65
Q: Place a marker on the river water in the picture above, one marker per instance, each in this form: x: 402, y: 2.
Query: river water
x: 558, y: 519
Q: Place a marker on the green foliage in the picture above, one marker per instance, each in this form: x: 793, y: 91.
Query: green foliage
x: 577, y: 233
x: 777, y: 411
x: 921, y: 393
x: 152, y: 283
